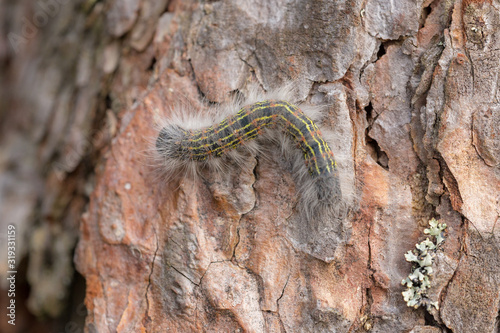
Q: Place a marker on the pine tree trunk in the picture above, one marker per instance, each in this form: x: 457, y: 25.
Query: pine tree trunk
x: 411, y: 95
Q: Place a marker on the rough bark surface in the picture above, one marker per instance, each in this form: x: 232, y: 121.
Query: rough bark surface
x: 412, y: 90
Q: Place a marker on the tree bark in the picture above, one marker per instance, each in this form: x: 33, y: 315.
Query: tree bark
x: 412, y: 95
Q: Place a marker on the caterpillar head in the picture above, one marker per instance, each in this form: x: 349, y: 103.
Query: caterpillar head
x: 168, y: 143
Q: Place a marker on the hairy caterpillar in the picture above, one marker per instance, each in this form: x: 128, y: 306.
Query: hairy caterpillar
x: 260, y: 122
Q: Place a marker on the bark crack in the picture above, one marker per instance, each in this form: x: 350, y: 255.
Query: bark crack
x: 369, y: 296
x: 278, y: 303
x: 282, y: 292
x: 184, y: 275
x: 246, y: 61
x: 151, y: 274
x: 206, y: 270
x: 233, y: 257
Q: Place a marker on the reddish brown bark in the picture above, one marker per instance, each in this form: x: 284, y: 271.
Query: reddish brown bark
x: 412, y: 94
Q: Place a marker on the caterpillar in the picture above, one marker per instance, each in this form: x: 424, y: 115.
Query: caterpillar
x: 186, y: 146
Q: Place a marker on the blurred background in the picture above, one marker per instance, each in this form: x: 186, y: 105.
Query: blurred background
x: 54, y: 125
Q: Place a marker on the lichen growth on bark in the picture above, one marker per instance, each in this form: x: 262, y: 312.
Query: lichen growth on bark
x: 419, y: 280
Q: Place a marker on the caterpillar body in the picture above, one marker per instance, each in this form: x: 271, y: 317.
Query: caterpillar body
x: 257, y: 125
